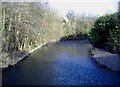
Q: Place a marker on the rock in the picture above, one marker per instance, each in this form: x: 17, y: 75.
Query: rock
x: 106, y: 59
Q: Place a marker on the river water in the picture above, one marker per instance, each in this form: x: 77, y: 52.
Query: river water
x: 64, y: 63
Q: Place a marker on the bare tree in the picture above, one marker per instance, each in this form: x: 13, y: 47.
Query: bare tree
x: 119, y: 6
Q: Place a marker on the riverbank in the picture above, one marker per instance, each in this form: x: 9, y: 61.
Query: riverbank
x: 6, y: 62
x: 103, y: 58
x: 64, y: 63
x: 106, y: 59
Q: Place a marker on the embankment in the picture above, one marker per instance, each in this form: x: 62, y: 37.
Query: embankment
x: 6, y: 61
x: 106, y: 59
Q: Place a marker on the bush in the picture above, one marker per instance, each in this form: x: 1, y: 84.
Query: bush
x: 114, y: 34
x: 100, y: 31
x: 106, y: 32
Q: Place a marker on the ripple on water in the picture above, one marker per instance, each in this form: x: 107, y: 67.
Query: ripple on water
x: 66, y: 63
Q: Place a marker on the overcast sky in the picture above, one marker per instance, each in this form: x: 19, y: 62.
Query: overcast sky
x: 88, y: 7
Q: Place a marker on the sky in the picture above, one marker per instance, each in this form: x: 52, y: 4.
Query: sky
x: 87, y: 7
x: 82, y: 7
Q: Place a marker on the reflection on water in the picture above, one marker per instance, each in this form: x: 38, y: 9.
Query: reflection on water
x: 64, y: 63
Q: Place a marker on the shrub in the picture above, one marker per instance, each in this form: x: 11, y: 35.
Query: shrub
x: 100, y: 30
x: 106, y: 32
x: 114, y: 34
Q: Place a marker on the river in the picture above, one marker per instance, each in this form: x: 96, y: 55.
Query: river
x: 64, y: 63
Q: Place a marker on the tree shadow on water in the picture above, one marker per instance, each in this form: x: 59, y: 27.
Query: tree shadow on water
x: 74, y: 37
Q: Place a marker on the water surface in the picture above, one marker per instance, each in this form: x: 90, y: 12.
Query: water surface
x: 65, y: 63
